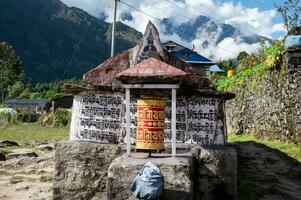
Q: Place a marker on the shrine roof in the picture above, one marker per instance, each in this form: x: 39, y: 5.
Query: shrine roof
x: 149, y: 46
x: 151, y: 68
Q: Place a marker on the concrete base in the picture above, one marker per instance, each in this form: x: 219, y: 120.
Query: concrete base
x: 177, y: 172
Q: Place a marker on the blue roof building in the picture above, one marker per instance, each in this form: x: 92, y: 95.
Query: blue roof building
x: 201, y: 63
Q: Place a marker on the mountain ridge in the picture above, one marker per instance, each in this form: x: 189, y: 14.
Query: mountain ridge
x: 45, y: 33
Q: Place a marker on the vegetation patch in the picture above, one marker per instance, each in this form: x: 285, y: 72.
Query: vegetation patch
x: 286, y: 147
x: 252, y: 67
x: 60, y: 118
x: 33, y: 132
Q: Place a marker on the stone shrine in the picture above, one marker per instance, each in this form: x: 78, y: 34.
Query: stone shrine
x: 104, y: 120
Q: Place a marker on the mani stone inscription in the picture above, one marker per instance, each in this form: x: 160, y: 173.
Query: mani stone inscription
x: 98, y: 117
x: 197, y: 120
x: 101, y: 118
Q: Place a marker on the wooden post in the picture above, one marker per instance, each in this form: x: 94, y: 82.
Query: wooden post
x: 173, y: 122
x: 128, y: 121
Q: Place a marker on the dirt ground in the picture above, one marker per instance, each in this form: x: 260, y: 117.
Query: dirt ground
x: 28, y: 176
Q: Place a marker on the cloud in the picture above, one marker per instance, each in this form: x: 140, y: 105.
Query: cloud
x: 247, y: 20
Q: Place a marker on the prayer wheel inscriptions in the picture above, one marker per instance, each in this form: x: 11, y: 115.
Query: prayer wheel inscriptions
x: 150, y: 124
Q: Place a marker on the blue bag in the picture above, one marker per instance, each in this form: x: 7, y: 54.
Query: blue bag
x: 149, y: 182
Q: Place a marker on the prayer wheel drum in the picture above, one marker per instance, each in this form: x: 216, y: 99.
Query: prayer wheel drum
x: 150, y: 124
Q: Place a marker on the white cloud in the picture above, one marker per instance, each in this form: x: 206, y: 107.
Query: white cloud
x: 247, y: 20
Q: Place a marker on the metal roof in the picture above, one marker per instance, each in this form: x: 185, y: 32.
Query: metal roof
x: 215, y: 68
x: 192, y: 57
x: 151, y: 67
x: 25, y: 102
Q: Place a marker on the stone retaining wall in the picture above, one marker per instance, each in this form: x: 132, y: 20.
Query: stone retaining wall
x: 269, y: 105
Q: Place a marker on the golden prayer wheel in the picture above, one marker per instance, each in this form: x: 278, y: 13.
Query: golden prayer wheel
x: 150, y: 124
x: 230, y: 73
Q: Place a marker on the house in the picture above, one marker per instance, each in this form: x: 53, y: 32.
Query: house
x: 199, y: 62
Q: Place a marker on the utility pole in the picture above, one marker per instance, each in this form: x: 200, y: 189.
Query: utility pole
x: 113, y: 28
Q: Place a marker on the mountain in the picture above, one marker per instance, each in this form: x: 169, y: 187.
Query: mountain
x: 44, y: 33
x: 209, y: 32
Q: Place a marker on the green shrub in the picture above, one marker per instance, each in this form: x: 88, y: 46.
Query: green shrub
x: 253, y: 66
x: 8, y: 118
x: 27, y: 116
x: 60, y: 118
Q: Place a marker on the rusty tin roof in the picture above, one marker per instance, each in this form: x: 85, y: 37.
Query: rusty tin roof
x: 151, y: 68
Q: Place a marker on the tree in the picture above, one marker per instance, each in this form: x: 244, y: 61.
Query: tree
x: 11, y: 69
x: 15, y: 90
x: 241, y: 56
x: 227, y: 64
x: 291, y: 14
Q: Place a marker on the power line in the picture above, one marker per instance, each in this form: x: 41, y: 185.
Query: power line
x: 168, y: 24
x: 80, y: 40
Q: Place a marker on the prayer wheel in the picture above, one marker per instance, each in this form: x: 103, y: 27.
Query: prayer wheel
x: 150, y: 124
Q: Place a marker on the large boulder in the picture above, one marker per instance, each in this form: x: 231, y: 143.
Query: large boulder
x: 215, y: 173
x: 81, y: 169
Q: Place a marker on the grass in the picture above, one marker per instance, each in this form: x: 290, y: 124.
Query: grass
x: 289, y: 148
x: 32, y: 132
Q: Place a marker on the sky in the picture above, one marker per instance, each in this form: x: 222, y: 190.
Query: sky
x: 249, y: 16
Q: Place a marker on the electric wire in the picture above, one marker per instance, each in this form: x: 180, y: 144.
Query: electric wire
x: 80, y: 41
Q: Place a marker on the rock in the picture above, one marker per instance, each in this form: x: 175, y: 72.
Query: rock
x: 81, y: 169
x: 16, y: 179
x: 43, y: 159
x: 45, y: 147
x: 22, y: 188
x: 177, y: 172
x: 20, y: 153
x: 2, y: 156
x: 7, y: 143
x: 216, y: 173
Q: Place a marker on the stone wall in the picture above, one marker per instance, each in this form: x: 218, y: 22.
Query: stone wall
x: 269, y: 105
x: 81, y: 169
